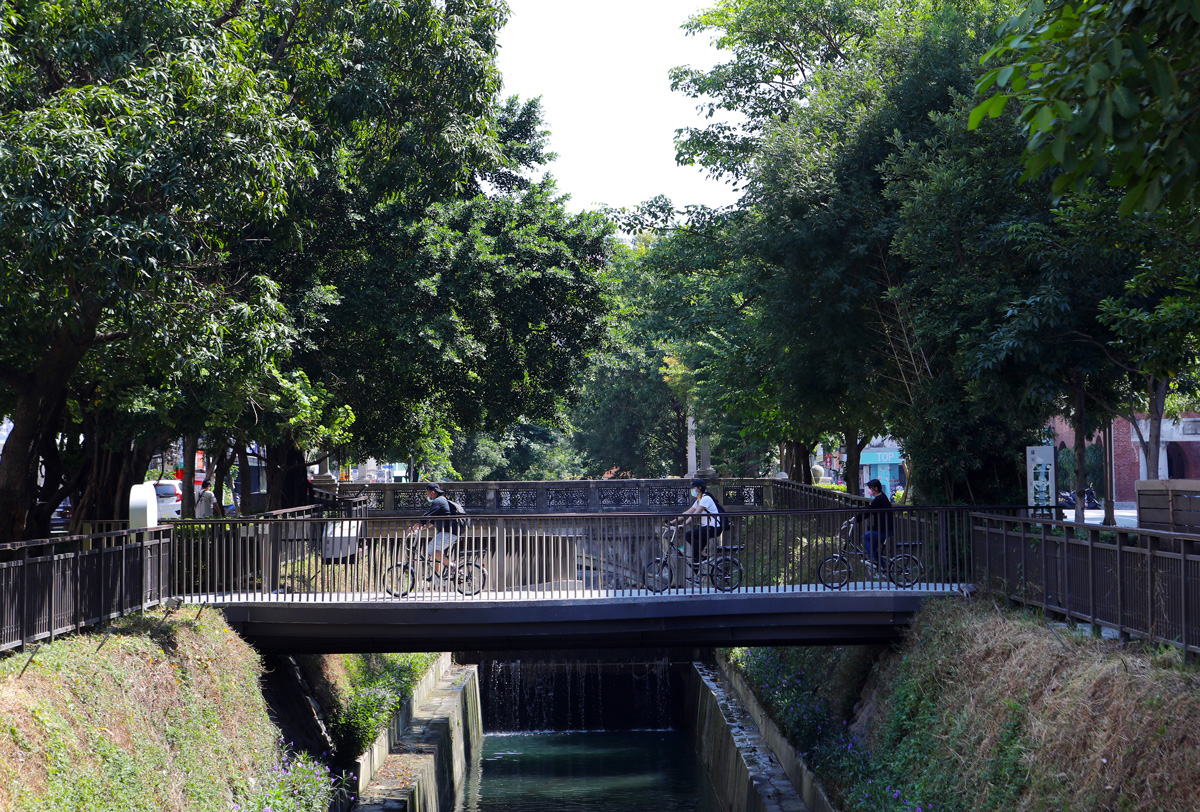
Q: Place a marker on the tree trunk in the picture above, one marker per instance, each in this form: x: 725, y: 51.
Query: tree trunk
x: 854, y: 447
x: 296, y: 491
x: 793, y: 461
x: 39, y: 399
x: 224, y: 460
x: 276, y: 460
x: 1158, y: 405
x: 191, y: 445
x: 1080, y: 456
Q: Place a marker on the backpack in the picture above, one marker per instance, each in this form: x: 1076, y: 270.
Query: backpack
x: 456, y: 509
x: 718, y: 517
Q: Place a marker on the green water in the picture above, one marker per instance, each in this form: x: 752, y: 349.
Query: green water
x: 582, y: 772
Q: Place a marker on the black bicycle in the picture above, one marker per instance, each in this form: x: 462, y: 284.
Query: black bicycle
x: 903, y: 570
x: 468, y: 577
x: 722, y: 570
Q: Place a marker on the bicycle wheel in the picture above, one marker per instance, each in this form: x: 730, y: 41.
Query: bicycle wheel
x: 398, y: 580
x: 834, y: 571
x: 905, y: 570
x: 470, y: 578
x: 657, y: 576
x: 725, y: 574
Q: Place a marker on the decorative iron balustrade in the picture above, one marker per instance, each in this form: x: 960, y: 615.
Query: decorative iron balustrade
x: 580, y: 496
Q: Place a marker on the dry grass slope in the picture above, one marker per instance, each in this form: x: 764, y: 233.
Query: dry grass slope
x: 1028, y: 720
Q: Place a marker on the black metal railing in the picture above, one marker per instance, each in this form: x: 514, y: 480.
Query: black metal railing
x: 1142, y: 583
x: 531, y: 557
x: 49, y: 587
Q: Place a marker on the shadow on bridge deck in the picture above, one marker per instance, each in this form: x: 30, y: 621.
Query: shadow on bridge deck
x: 365, y: 623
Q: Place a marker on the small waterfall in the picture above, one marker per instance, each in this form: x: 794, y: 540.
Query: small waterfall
x: 542, y: 695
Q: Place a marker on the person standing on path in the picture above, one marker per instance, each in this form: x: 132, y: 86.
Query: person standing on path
x: 205, y: 502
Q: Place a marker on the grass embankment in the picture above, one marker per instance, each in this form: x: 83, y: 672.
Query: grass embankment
x: 987, y: 711
x: 161, y: 711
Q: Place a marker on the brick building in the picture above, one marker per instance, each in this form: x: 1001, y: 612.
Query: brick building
x: 1179, y: 457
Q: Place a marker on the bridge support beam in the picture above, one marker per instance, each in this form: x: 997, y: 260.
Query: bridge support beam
x: 727, y: 620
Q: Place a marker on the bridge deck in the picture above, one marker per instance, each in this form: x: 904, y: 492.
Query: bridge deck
x: 561, y: 619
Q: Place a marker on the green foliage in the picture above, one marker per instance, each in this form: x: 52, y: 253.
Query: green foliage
x: 1107, y: 88
x: 1064, y: 468
x: 378, y: 685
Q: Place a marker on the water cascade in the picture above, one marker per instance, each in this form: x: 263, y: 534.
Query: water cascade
x: 550, y: 695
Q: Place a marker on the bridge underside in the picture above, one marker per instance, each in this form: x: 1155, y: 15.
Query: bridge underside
x: 665, y: 621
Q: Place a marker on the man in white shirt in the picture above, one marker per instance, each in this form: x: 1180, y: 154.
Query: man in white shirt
x: 709, y: 523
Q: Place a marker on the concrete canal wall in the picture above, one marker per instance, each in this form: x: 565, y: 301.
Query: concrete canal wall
x: 425, y: 766
x: 744, y: 771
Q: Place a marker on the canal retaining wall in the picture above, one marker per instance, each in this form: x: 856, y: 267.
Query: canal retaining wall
x: 426, y: 765
x: 797, y: 770
x: 744, y: 771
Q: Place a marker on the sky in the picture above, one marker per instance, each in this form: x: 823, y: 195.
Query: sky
x: 601, y: 70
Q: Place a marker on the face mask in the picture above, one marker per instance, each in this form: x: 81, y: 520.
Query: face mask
x: 695, y: 493
x: 428, y: 498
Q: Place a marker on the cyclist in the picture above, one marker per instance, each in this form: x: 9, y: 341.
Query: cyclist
x: 704, y: 506
x: 443, y: 537
x: 881, y: 522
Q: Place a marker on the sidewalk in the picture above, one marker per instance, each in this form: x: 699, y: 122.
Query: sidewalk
x: 1126, y: 517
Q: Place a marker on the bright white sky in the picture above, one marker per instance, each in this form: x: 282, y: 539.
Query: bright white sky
x: 601, y: 70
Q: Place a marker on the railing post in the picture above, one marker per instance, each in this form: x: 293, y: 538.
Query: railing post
x: 23, y: 557
x: 1151, y: 552
x: 1187, y: 548
x: 1121, y: 633
x: 1093, y: 536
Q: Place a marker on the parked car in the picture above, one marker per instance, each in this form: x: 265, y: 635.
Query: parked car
x: 170, y: 498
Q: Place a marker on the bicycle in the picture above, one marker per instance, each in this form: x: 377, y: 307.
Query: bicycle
x: 468, y: 576
x: 722, y: 570
x: 903, y: 570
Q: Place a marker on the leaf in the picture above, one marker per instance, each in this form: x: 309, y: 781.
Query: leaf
x: 1127, y: 104
x: 1004, y: 75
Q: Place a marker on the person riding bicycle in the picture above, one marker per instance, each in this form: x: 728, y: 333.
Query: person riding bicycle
x: 709, y: 526
x: 880, y: 520
x: 443, y: 537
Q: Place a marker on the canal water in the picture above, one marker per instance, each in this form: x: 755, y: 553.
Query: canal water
x: 632, y: 771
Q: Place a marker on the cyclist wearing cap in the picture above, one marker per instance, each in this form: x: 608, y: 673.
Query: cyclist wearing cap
x: 706, y: 507
x: 443, y: 537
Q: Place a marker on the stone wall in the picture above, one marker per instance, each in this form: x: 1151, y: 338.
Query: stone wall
x: 741, y: 766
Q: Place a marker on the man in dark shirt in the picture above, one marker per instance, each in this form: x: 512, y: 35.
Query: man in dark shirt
x: 880, y: 520
x: 443, y: 536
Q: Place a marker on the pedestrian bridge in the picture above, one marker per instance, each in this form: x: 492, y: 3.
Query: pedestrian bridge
x: 353, y: 575
x: 577, y: 580
x: 347, y: 575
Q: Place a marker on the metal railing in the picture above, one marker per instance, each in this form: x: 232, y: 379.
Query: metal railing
x: 565, y: 496
x: 796, y: 496
x: 49, y: 587
x: 534, y: 557
x: 1139, y: 582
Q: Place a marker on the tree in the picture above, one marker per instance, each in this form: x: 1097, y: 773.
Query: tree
x: 776, y: 46
x: 124, y: 173
x: 1108, y: 89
